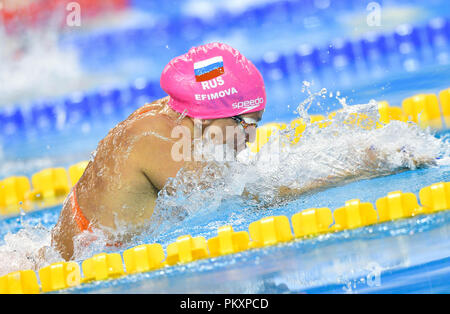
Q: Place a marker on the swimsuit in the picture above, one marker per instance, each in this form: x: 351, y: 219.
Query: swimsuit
x: 80, y: 219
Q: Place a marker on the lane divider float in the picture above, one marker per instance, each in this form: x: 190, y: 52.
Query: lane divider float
x: 49, y: 187
x: 268, y: 231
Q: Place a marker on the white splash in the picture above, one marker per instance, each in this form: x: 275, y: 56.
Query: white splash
x: 325, y: 156
x: 29, y: 248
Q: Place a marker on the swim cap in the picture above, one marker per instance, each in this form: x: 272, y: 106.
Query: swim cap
x: 213, y: 81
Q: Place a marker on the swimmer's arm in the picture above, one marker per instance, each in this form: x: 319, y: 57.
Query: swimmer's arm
x: 159, y: 156
x: 151, y: 155
x: 284, y: 192
x: 373, y: 164
x: 63, y: 232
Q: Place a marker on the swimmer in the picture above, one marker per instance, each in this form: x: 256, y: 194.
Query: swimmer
x: 212, y: 85
x: 211, y: 88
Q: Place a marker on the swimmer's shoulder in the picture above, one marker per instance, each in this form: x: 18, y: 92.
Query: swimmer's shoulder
x: 156, y: 107
x: 154, y: 118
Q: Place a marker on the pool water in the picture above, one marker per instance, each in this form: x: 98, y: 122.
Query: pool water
x: 409, y: 255
x: 360, y: 260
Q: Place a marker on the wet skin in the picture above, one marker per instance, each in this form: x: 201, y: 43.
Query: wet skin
x: 132, y: 164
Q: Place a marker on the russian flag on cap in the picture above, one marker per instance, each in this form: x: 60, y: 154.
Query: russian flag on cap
x: 208, y: 69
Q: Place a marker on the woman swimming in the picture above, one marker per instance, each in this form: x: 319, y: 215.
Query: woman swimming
x: 212, y: 89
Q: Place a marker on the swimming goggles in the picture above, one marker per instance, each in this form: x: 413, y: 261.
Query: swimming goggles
x: 245, y: 122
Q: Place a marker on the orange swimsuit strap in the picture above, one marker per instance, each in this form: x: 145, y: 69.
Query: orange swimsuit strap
x: 146, y: 108
x: 80, y: 219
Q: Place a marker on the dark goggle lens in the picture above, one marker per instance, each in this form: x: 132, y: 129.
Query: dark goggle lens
x: 244, y: 123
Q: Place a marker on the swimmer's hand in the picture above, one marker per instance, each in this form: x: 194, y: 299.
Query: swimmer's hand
x: 247, y: 195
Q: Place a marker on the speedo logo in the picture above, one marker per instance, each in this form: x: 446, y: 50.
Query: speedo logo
x: 248, y: 103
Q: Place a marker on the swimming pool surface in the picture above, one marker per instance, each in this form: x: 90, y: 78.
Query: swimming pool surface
x: 408, y: 255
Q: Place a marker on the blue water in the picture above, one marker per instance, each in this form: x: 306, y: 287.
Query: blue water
x: 410, y: 255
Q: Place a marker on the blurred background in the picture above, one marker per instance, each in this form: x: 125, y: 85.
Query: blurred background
x: 71, y: 70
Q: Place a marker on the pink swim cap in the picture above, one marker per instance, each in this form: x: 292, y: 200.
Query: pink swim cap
x: 213, y: 81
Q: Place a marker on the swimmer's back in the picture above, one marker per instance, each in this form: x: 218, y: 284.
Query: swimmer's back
x: 131, y: 164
